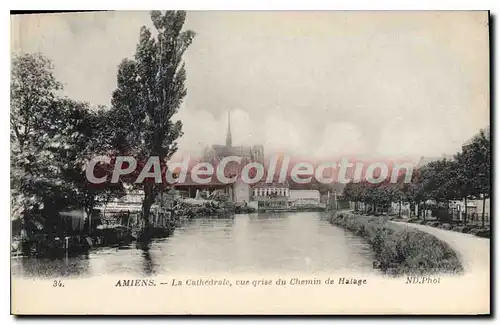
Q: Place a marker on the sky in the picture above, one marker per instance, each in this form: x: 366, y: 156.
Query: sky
x: 316, y: 84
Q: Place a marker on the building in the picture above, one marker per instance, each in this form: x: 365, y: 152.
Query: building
x: 242, y: 192
x: 479, y: 209
x: 216, y: 153
x: 271, y: 196
x: 404, y: 207
x: 130, y: 202
x: 189, y: 188
x: 238, y: 191
x: 304, y: 198
x: 474, y: 210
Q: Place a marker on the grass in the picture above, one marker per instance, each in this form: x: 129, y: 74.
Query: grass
x: 400, y: 250
x: 470, y: 228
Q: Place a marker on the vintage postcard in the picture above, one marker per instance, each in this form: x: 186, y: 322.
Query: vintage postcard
x: 260, y: 162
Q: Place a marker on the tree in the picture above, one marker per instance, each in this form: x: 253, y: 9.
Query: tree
x: 356, y: 192
x: 437, y: 181
x: 349, y: 194
x: 51, y: 140
x: 474, y: 168
x: 33, y: 113
x: 150, y: 91
x: 400, y: 192
x: 413, y: 191
x: 86, y: 134
x: 33, y: 90
x: 482, y: 148
x: 466, y: 177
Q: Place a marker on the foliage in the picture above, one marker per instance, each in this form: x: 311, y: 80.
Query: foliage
x: 52, y: 138
x: 150, y: 91
x: 467, y: 176
x: 33, y: 136
x: 220, y: 196
x: 474, y: 167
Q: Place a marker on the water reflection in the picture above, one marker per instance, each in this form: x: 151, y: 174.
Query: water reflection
x: 147, y: 261
x: 48, y: 267
x: 265, y: 242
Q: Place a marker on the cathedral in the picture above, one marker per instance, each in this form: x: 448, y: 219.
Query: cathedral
x: 216, y: 153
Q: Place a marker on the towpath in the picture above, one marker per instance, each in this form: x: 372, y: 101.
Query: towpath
x: 473, y: 251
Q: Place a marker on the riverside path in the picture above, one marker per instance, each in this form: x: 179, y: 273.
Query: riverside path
x: 473, y: 251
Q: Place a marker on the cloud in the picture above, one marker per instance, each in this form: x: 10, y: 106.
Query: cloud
x: 341, y: 139
x: 377, y: 83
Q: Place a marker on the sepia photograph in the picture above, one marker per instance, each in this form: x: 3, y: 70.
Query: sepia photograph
x: 250, y: 162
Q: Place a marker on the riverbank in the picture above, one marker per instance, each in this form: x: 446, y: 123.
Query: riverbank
x: 400, y: 250
x: 291, y: 209
x: 211, y: 209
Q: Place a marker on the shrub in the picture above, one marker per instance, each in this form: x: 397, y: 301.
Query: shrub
x: 446, y: 226
x: 399, y: 249
x: 434, y: 224
x: 485, y: 233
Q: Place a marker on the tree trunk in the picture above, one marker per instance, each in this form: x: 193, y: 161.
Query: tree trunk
x: 482, y: 214
x: 425, y: 211
x: 146, y: 208
x: 399, y: 213
x: 106, y: 202
x: 465, y: 212
x: 418, y: 211
x: 88, y: 210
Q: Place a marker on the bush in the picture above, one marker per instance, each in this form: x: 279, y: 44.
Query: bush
x: 240, y: 209
x: 485, y: 233
x: 442, y: 214
x: 459, y: 228
x: 446, y: 226
x: 399, y: 249
x: 434, y: 224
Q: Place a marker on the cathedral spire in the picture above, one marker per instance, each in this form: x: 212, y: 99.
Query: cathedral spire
x: 229, y: 141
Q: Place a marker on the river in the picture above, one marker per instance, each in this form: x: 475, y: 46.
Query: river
x: 264, y: 242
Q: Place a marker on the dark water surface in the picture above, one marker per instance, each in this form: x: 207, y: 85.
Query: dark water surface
x: 265, y: 242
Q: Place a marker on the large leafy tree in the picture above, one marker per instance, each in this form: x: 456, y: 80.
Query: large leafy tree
x: 437, y: 183
x: 87, y: 137
x: 51, y: 140
x: 473, y: 171
x: 482, y: 149
x: 33, y: 125
x: 33, y: 90
x: 437, y: 176
x: 150, y: 91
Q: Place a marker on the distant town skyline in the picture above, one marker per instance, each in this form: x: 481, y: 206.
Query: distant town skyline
x: 309, y: 83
